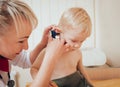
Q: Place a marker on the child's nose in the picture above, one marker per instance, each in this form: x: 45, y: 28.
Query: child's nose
x: 76, y: 45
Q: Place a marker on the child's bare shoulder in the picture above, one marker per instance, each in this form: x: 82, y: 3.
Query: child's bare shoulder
x: 76, y: 54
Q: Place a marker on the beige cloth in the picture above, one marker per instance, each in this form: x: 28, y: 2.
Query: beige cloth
x: 52, y: 84
x: 107, y: 83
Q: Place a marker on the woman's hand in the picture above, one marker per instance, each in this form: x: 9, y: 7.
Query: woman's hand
x: 55, y: 47
x: 54, y: 50
x: 44, y: 39
x: 46, y: 34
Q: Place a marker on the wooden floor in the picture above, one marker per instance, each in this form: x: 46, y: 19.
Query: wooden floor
x: 107, y: 83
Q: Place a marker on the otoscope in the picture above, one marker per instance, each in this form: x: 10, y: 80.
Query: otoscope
x: 54, y: 33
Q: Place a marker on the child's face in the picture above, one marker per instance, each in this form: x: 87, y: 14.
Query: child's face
x: 12, y: 43
x: 75, y: 38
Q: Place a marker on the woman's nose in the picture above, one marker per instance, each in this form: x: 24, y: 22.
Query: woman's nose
x: 25, y: 45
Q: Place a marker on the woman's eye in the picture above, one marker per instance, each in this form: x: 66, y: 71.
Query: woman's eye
x: 21, y: 41
x: 82, y: 41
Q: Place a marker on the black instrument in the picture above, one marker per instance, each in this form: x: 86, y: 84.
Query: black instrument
x: 54, y: 34
x: 10, y: 83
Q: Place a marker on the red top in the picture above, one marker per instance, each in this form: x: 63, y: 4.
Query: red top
x: 4, y: 65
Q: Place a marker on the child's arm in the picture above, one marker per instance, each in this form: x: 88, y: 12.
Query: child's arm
x: 37, y: 63
x: 82, y: 70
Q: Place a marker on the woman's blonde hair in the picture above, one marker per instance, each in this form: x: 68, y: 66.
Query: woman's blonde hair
x: 14, y: 12
x: 75, y: 17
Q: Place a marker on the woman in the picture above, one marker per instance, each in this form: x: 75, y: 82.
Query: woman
x: 16, y: 24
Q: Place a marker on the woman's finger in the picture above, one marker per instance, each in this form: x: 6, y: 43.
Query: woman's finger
x: 50, y: 38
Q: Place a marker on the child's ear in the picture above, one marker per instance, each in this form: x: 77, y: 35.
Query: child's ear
x: 58, y: 30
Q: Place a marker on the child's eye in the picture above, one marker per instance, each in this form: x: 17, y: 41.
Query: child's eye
x: 74, y: 40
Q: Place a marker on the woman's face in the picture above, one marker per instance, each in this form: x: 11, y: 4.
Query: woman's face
x: 75, y: 38
x: 12, y: 43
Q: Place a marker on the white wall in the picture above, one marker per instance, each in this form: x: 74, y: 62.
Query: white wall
x: 108, y: 29
x: 49, y: 13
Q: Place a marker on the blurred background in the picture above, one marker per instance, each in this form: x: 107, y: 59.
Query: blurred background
x: 105, y: 16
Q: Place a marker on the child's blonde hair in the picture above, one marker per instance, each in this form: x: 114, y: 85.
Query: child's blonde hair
x: 75, y: 17
x: 14, y: 12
